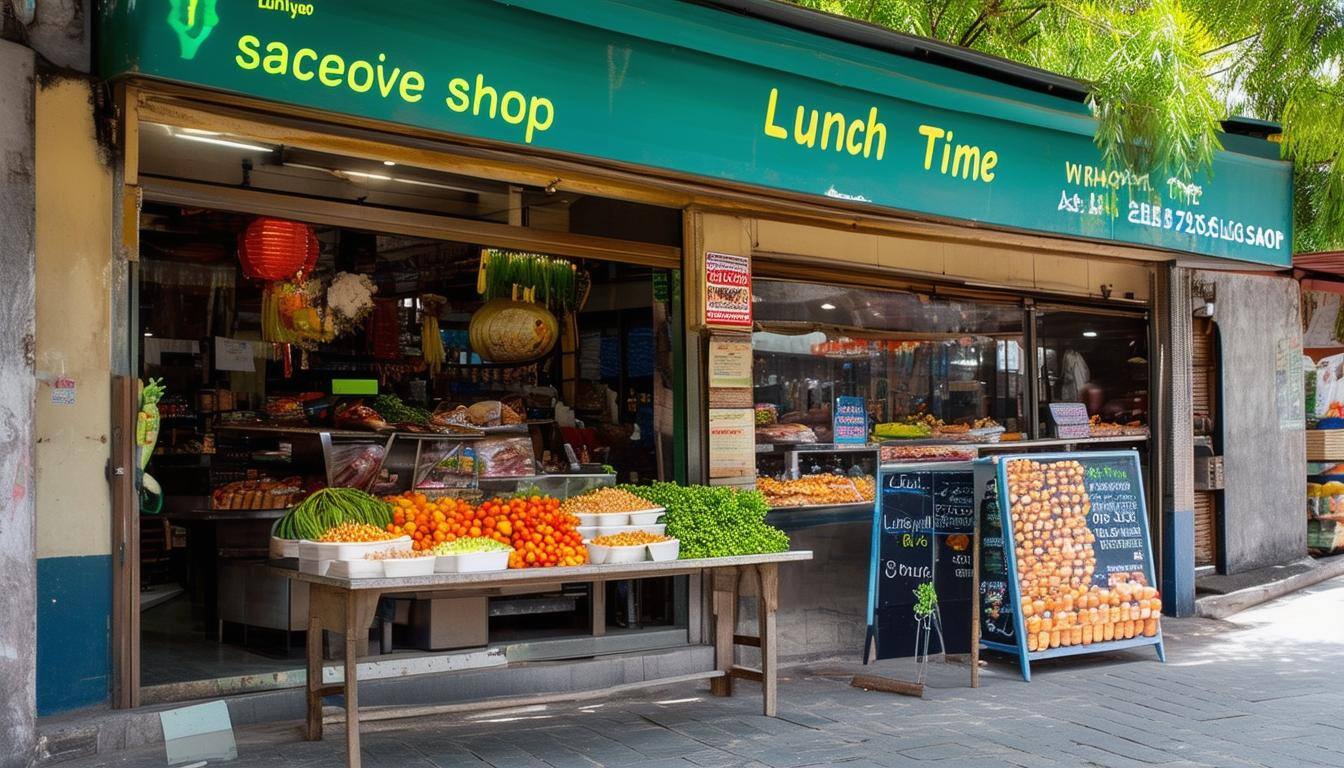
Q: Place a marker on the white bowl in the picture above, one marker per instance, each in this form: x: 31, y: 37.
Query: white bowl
x: 355, y: 569
x: 634, y: 554
x: 603, y: 518
x: 648, y: 517
x: 597, y: 553
x: 664, y: 550
x: 409, y: 566
x: 477, y: 562
x: 611, y: 530
x: 446, y: 563
x: 587, y: 531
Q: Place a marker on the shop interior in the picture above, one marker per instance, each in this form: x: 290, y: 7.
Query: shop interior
x: 372, y: 370
x: 927, y: 369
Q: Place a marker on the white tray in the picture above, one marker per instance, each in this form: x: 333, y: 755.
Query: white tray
x: 664, y: 550
x: 478, y: 562
x: 659, y: 529
x: 281, y: 548
x: 315, y: 567
x: 356, y: 569
x: 410, y: 566
x: 322, y: 550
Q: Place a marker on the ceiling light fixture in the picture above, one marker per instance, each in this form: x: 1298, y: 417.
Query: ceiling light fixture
x: 223, y: 142
x: 828, y: 305
x: 1089, y: 334
x: 389, y: 162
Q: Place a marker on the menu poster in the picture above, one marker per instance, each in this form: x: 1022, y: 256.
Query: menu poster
x: 732, y: 443
x: 730, y: 373
x: 727, y: 291
x: 923, y: 530
x: 1080, y: 575
x: 849, y: 420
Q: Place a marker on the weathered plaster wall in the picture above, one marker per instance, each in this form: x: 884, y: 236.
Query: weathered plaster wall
x: 17, y: 594
x: 1265, y: 460
x: 74, y: 517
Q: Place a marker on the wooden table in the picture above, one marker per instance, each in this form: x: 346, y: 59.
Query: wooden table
x: 347, y: 606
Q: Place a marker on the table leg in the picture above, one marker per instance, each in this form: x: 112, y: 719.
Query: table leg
x: 314, y: 645
x: 768, y: 606
x: 725, y: 619
x: 353, y: 631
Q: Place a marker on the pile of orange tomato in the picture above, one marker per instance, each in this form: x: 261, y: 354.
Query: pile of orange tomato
x: 539, y: 532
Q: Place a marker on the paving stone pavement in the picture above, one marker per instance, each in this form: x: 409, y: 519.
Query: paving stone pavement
x: 1265, y: 688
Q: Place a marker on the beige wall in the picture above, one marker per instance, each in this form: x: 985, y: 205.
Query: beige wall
x: 74, y: 250
x: 984, y: 264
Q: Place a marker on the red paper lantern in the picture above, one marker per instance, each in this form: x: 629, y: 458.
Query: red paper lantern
x: 276, y: 249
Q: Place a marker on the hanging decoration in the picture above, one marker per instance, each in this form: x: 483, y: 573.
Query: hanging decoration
x: 276, y: 249
x: 292, y: 313
x: 349, y: 301
x: 431, y: 341
x: 524, y: 293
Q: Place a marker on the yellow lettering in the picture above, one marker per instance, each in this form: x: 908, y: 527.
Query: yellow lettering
x: 277, y: 58
x: 367, y: 69
x: 517, y: 99
x: 851, y: 146
x: 481, y: 90
x: 987, y: 166
x: 299, y: 56
x: 535, y: 123
x: 412, y: 86
x: 808, y: 139
x: 458, y: 100
x: 966, y: 160
x: 933, y: 134
x: 772, y: 130
x: 247, y: 46
x: 836, y: 119
x: 329, y: 71
x: 875, y: 129
x: 947, y: 150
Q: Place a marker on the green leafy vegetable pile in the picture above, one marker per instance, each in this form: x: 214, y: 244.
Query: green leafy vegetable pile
x: 329, y: 508
x: 715, y: 521
x: 396, y: 411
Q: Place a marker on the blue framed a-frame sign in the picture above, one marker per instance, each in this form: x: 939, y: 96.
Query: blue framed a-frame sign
x: 1084, y: 518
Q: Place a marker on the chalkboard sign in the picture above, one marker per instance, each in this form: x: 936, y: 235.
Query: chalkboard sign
x: 923, y: 529
x: 1068, y: 568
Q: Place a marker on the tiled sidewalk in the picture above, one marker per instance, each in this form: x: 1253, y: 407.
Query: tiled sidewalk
x: 1267, y: 690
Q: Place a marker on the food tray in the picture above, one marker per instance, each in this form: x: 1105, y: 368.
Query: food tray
x: 322, y: 550
x: 639, y: 517
x: 664, y: 550
x: 315, y: 567
x: 355, y: 569
x: 407, y: 566
x: 599, y: 554
x: 609, y: 530
x: 282, y: 548
x: 477, y: 562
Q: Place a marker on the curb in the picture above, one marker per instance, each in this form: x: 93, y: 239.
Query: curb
x: 1222, y: 606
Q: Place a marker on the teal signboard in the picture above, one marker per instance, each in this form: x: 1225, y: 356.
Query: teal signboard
x: 685, y: 88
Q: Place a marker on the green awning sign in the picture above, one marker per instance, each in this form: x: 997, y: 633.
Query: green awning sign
x: 686, y: 88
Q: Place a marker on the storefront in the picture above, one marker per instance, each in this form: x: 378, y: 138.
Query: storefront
x: 766, y: 221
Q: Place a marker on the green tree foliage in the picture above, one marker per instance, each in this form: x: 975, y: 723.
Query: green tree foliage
x: 1163, y: 73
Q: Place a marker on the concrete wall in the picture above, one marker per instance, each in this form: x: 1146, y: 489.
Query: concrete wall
x: 74, y: 517
x: 1265, y: 459
x: 17, y: 648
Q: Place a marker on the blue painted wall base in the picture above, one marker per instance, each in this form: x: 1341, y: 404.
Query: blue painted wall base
x: 1178, y: 563
x: 74, y: 609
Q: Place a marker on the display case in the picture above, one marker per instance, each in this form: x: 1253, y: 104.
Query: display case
x: 826, y: 482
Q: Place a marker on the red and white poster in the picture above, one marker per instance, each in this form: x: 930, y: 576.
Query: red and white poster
x: 727, y: 291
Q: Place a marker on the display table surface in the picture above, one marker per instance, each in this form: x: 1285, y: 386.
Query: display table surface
x: 347, y: 606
